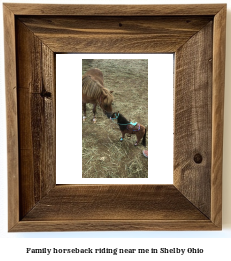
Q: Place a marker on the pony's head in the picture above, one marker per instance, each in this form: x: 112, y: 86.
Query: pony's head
x: 105, y: 102
x: 121, y: 120
x: 114, y: 116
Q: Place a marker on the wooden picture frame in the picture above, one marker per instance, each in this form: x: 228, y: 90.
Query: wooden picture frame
x: 33, y: 34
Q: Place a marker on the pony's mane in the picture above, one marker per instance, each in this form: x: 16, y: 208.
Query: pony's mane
x: 94, y: 89
x: 122, y: 120
x: 109, y: 97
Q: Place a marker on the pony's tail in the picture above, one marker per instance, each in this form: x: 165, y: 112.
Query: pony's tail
x: 144, y: 139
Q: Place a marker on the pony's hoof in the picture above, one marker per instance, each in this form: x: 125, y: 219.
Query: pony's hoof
x: 136, y: 144
x: 84, y: 118
x: 94, y: 120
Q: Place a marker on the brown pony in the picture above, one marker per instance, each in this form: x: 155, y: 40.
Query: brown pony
x: 130, y: 128
x: 93, y: 91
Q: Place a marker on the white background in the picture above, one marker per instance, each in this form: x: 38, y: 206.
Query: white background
x: 69, y: 119
x: 216, y: 244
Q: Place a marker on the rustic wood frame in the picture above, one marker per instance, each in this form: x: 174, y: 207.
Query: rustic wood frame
x: 33, y: 34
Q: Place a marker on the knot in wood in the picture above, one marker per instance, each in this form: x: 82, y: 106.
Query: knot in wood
x: 45, y: 94
x: 198, y: 158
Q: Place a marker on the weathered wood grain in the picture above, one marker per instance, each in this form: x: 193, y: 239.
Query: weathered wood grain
x: 115, y: 34
x: 115, y: 10
x: 193, y: 119
x: 111, y: 207
x: 218, y: 114
x: 48, y: 148
x: 113, y: 202
x: 77, y: 25
x: 114, y: 225
x: 11, y: 116
x: 36, y: 121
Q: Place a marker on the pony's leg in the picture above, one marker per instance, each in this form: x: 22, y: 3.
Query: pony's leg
x: 138, y: 138
x: 123, y: 134
x: 94, y: 111
x: 84, y: 111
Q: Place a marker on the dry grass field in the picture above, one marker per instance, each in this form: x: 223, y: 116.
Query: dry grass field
x: 103, y: 154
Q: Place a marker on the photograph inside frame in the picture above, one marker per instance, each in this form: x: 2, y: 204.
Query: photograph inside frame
x: 115, y: 118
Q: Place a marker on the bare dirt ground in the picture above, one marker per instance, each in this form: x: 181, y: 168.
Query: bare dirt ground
x: 103, y: 154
